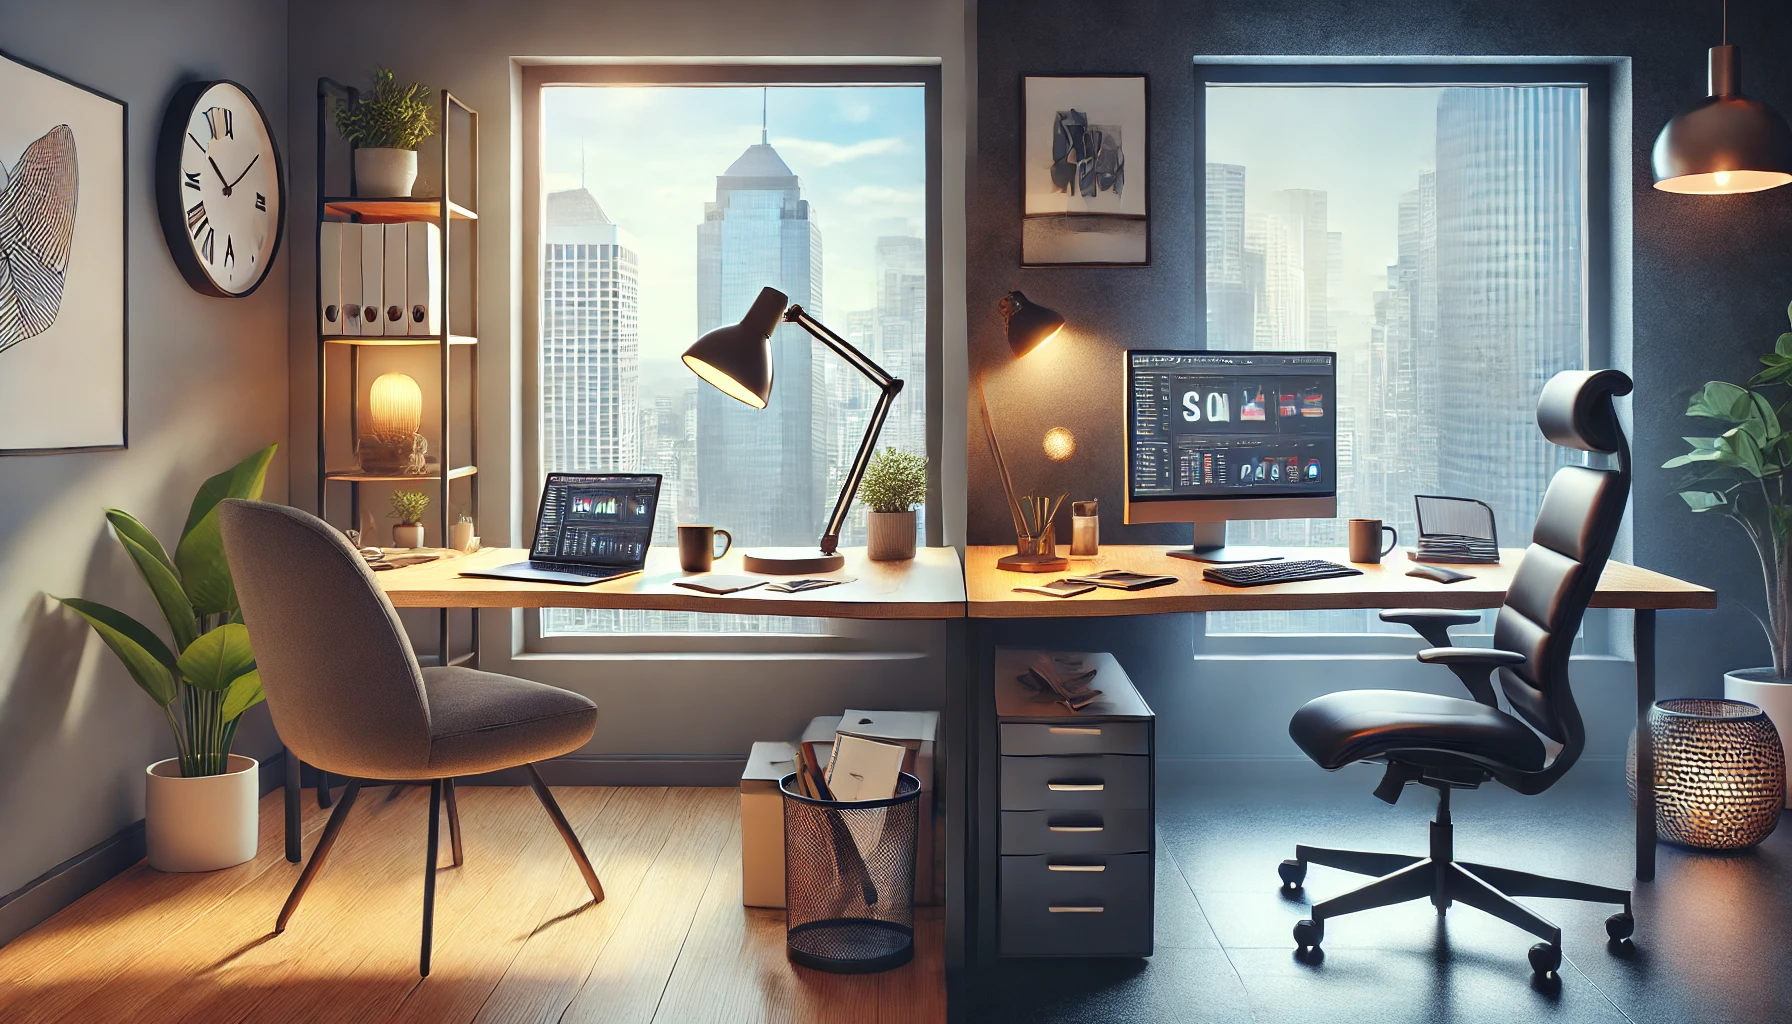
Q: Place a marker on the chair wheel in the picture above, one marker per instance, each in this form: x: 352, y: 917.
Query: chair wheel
x: 1620, y: 925
x: 1293, y: 873
x: 1309, y: 933
x: 1546, y: 957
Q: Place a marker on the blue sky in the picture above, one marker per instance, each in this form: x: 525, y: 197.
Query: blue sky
x: 651, y: 155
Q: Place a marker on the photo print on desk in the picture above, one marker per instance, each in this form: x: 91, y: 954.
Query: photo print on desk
x: 1083, y: 171
x: 62, y: 264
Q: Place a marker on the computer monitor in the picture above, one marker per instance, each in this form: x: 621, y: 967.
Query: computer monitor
x: 1213, y: 436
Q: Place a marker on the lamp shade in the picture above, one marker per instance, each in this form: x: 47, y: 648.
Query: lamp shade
x: 394, y: 408
x: 1728, y: 143
x: 1030, y: 325
x: 737, y: 359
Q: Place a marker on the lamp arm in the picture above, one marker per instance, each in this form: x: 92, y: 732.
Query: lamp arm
x: 888, y: 388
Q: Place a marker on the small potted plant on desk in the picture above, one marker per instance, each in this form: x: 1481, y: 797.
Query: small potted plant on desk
x: 386, y: 125
x: 1741, y: 475
x: 200, y: 807
x: 408, y: 508
x: 895, y: 482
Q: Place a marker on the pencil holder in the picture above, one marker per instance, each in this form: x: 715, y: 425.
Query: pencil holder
x: 849, y: 879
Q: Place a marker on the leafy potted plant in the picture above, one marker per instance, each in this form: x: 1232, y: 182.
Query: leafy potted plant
x: 408, y: 508
x: 895, y: 482
x: 201, y: 805
x: 385, y: 126
x: 1741, y: 474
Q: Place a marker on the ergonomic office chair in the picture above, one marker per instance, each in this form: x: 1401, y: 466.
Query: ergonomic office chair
x: 1449, y: 743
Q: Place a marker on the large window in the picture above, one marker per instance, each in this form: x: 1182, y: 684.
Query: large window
x: 1436, y: 237
x: 666, y: 207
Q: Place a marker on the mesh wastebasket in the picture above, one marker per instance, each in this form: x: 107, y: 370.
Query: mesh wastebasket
x: 849, y: 879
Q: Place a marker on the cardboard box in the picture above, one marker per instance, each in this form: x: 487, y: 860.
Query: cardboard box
x: 762, y: 824
x: 918, y: 731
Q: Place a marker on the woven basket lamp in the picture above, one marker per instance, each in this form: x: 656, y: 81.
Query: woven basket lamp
x: 1720, y: 773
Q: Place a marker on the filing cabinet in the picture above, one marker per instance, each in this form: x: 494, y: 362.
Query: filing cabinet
x: 1077, y: 825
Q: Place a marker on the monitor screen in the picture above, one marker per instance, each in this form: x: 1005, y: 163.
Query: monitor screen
x: 1231, y: 425
x: 596, y: 518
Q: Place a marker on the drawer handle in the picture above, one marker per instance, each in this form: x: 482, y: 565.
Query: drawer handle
x: 1076, y: 787
x: 1076, y: 867
x: 1074, y: 730
x: 1073, y: 828
x: 1076, y: 910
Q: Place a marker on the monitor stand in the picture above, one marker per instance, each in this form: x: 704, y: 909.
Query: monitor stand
x: 1210, y: 546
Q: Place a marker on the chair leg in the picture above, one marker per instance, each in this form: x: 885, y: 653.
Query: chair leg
x: 566, y: 833
x: 318, y: 855
x: 429, y: 875
x: 453, y: 819
x: 1360, y: 862
x: 323, y: 789
x: 1413, y: 882
x: 1523, y: 883
x: 1465, y: 886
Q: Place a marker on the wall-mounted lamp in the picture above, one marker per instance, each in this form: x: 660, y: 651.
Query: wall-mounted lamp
x: 1030, y: 326
x: 1729, y: 143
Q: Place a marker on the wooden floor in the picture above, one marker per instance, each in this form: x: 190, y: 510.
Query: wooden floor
x: 516, y: 936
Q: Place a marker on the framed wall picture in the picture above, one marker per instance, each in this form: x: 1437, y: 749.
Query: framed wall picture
x: 62, y: 264
x: 1083, y: 172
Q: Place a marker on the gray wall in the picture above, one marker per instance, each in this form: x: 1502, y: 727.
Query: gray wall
x: 1712, y: 275
x: 207, y: 386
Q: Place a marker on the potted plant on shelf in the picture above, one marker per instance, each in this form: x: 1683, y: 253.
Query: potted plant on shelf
x: 408, y: 508
x: 200, y: 807
x: 385, y: 126
x: 1741, y: 474
x: 895, y: 482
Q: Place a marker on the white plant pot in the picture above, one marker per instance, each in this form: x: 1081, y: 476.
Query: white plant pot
x: 201, y: 824
x: 382, y: 172
x: 1767, y: 691
x: 460, y: 537
x: 890, y: 536
x: 408, y: 535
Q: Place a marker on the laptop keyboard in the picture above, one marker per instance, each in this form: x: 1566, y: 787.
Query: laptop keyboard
x: 598, y: 571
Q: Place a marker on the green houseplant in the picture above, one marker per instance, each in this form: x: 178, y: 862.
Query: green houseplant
x: 895, y: 482
x: 201, y: 804
x: 1741, y: 474
x: 386, y: 124
x: 408, y: 508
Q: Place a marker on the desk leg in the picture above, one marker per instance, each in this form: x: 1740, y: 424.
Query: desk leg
x: 293, y: 791
x: 960, y: 875
x: 1645, y: 745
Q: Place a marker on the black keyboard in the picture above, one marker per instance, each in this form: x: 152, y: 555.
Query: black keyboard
x: 601, y: 572
x: 1262, y: 574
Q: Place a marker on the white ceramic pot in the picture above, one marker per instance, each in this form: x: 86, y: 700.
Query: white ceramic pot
x: 201, y: 824
x: 890, y: 536
x: 381, y: 172
x: 407, y: 535
x: 1767, y: 691
x: 460, y: 537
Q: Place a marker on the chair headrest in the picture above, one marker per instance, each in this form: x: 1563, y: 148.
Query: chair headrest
x: 1575, y: 410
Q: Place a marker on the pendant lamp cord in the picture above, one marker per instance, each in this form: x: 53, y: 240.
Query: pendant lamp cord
x: 1726, y: 22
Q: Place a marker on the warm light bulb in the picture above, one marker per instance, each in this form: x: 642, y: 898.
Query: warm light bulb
x: 394, y: 408
x: 1722, y: 178
x: 1060, y: 444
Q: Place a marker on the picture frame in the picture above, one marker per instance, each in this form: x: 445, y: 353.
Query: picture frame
x: 1085, y: 154
x: 64, y: 316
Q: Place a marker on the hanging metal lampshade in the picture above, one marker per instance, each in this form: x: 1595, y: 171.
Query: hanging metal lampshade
x: 1729, y: 143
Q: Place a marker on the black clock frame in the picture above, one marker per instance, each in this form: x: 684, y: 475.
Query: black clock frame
x: 168, y: 185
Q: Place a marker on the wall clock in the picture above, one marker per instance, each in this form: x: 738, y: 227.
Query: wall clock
x: 220, y: 188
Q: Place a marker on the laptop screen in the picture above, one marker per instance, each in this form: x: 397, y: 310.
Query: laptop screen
x: 596, y: 518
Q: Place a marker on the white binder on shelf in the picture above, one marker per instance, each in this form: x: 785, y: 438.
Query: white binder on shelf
x: 373, y: 278
x: 329, y: 277
x: 423, y: 288
x: 397, y: 315
x: 349, y: 269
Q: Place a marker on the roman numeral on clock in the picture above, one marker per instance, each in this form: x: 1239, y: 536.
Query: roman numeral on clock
x: 261, y: 202
x: 196, y: 218
x: 229, y: 252
x: 192, y: 179
x: 218, y: 119
x: 207, y: 248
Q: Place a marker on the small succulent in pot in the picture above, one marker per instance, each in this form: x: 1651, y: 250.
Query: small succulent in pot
x: 895, y: 482
x: 386, y: 124
x: 408, y: 508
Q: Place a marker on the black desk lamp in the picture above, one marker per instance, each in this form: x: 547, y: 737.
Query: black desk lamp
x: 737, y: 360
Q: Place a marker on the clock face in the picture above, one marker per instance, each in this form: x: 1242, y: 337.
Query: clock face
x: 229, y: 194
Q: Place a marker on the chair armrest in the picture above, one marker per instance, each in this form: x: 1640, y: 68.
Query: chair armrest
x: 1431, y: 623
x: 1474, y: 666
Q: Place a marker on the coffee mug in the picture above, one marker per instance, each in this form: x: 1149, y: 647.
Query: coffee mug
x: 697, y: 547
x: 1365, y: 540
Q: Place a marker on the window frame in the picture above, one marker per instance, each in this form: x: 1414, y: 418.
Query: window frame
x: 834, y: 635
x: 1603, y: 634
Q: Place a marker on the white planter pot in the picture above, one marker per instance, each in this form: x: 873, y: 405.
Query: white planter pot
x: 890, y: 536
x: 381, y: 172
x: 201, y: 824
x: 460, y: 537
x: 1767, y: 691
x: 408, y: 536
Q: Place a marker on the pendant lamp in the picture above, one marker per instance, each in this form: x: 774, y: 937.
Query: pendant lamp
x: 1729, y: 143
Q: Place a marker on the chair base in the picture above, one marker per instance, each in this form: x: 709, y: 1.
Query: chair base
x: 1445, y: 881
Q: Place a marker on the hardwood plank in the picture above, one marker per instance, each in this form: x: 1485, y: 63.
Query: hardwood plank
x: 915, y: 993
x: 629, y: 977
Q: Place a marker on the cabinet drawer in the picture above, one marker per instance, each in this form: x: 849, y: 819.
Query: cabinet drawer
x: 1073, y: 737
x: 1089, y: 782
x: 1111, y: 830
x: 1076, y: 906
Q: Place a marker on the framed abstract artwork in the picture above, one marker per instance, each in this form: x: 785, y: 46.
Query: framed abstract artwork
x: 63, y: 243
x: 1083, y: 171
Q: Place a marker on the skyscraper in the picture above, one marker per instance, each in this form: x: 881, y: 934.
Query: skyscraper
x: 590, y: 339
x: 762, y: 472
x: 901, y: 342
x: 1231, y: 308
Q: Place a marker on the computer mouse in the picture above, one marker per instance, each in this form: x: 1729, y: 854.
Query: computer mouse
x: 1438, y: 573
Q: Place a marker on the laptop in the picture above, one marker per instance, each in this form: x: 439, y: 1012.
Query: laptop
x: 592, y: 527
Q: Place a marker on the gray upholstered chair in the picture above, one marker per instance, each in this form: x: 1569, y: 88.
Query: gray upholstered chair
x: 348, y: 696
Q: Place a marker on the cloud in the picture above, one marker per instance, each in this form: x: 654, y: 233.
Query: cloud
x: 886, y: 194
x: 854, y: 111
x: 820, y: 153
